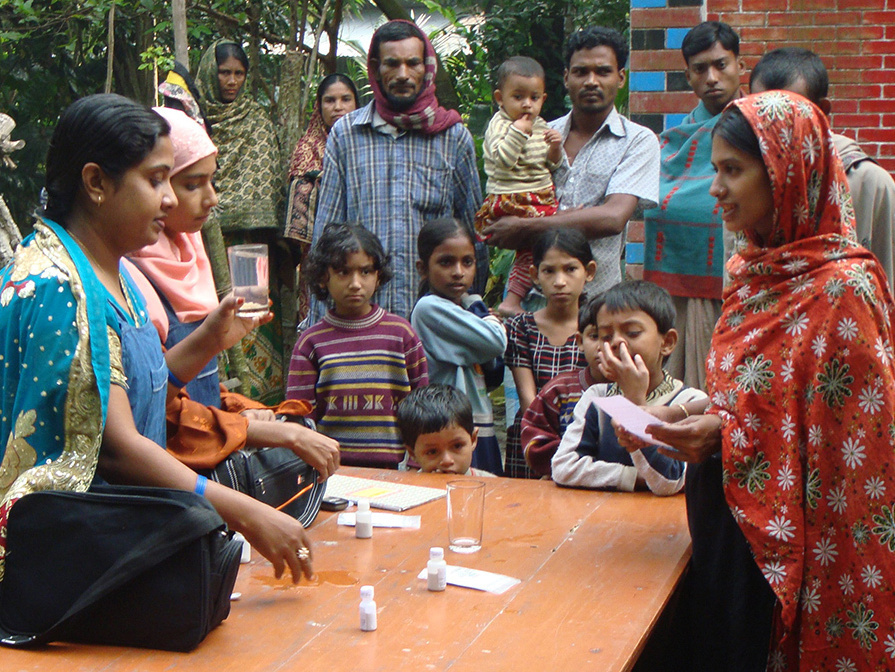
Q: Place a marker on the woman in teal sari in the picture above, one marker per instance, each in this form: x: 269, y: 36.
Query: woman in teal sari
x: 83, y: 383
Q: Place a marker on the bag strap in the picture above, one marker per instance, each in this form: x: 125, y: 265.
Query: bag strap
x: 191, y: 523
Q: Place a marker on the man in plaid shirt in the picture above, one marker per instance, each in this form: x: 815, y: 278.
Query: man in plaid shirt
x: 399, y: 162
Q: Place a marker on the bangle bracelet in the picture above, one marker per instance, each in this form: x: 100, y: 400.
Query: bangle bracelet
x: 684, y: 409
x: 175, y: 381
x: 201, y: 484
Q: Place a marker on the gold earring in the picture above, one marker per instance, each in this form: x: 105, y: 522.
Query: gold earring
x: 99, y: 200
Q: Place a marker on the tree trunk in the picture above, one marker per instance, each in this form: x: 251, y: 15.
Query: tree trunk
x: 332, y: 32
x: 133, y: 36
x: 292, y: 87
x: 110, y: 49
x: 181, y: 46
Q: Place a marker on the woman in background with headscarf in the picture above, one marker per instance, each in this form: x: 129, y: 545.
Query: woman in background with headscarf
x: 249, y: 184
x: 336, y: 97
x: 179, y: 92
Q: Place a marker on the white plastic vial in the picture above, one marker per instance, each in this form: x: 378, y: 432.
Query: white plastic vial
x: 437, y: 569
x: 363, y: 520
x: 246, y: 554
x: 367, y: 609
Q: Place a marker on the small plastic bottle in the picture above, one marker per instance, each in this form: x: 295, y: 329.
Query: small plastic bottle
x: 363, y: 521
x: 437, y: 569
x: 367, y: 609
x: 246, y: 555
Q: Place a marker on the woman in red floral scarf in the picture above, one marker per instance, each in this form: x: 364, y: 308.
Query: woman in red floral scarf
x: 801, y: 415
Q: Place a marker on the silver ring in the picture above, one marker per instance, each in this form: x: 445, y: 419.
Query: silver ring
x: 303, y: 553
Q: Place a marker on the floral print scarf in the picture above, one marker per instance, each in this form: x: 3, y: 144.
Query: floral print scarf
x: 801, y: 373
x: 251, y: 172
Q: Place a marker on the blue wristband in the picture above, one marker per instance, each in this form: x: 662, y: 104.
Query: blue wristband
x: 201, y: 484
x: 175, y: 381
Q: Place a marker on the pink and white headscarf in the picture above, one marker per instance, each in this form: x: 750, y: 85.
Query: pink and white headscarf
x: 425, y: 115
x: 177, y: 264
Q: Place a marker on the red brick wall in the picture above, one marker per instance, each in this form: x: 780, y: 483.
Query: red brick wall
x: 855, y: 38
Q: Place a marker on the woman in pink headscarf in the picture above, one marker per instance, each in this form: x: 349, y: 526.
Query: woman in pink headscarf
x: 204, y: 427
x: 177, y: 265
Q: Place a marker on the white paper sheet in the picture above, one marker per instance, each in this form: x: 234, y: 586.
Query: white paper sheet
x: 476, y: 579
x: 384, y: 520
x: 630, y: 416
x: 386, y: 495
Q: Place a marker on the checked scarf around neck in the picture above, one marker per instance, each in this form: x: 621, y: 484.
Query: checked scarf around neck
x: 801, y: 374
x: 425, y: 115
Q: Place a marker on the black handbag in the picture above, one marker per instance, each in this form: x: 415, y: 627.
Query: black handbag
x: 129, y: 566
x: 273, y: 476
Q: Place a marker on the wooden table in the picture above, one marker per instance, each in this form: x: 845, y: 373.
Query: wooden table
x: 597, y: 569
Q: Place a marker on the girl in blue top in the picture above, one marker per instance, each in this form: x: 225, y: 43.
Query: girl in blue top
x: 457, y: 330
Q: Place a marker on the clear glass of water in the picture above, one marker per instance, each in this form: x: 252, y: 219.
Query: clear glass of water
x: 465, y: 515
x: 250, y: 276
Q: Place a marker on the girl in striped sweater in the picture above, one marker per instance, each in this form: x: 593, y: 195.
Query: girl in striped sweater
x: 359, y: 361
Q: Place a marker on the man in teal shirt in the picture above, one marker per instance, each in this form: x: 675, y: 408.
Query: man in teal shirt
x: 684, y: 234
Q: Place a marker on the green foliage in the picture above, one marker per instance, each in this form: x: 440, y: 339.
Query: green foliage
x: 157, y: 57
x: 51, y: 53
x: 54, y: 51
x: 355, y: 67
x: 504, y: 28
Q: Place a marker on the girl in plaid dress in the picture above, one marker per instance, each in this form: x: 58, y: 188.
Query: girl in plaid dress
x: 541, y: 345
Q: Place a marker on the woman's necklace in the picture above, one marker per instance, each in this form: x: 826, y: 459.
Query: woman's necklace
x: 112, y: 282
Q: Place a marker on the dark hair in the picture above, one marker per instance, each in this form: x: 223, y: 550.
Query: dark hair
x: 430, y: 409
x: 225, y: 50
x: 394, y: 31
x: 332, y: 249
x: 432, y: 234
x: 704, y: 36
x: 598, y: 36
x: 736, y: 131
x: 642, y: 295
x: 109, y: 130
x: 329, y: 80
x: 780, y: 68
x: 569, y: 240
x: 523, y: 66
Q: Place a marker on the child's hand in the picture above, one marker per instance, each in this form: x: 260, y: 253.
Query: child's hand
x: 553, y: 138
x: 631, y: 374
x: 524, y: 123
